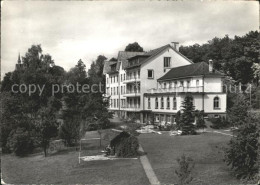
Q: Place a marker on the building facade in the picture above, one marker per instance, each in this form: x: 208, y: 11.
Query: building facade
x: 150, y: 86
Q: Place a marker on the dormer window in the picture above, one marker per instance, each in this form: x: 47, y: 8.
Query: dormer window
x: 167, y: 62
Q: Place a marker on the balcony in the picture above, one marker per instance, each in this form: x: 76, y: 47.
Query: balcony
x: 132, y: 93
x: 132, y: 80
x: 197, y: 89
x: 133, y: 108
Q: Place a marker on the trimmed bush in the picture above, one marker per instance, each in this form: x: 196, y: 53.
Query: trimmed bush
x: 125, y: 145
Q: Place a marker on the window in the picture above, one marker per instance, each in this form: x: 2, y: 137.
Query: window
x: 150, y: 73
x: 114, y: 102
x: 168, y: 119
x: 149, y: 103
x: 124, y: 76
x: 117, y: 78
x: 174, y: 103
x: 156, y: 118
x: 162, y: 103
x: 197, y: 83
x: 111, y: 79
x: 167, y: 62
x: 117, y: 104
x: 121, y: 77
x: 168, y: 102
x: 156, y: 103
x: 111, y: 91
x: 216, y: 103
x: 138, y: 74
x: 188, y: 83
x: 111, y: 103
x: 181, y: 83
x: 116, y: 90
x: 164, y: 85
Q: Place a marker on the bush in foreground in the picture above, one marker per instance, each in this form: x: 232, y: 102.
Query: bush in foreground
x: 242, y: 151
x: 184, y: 172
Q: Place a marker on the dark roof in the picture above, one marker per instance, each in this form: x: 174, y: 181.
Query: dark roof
x: 107, y: 65
x: 124, y: 55
x: 197, y: 69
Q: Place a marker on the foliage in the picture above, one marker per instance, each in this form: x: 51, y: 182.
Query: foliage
x: 185, y: 122
x: 238, y: 113
x: 199, y: 116
x: 69, y: 131
x: 184, y: 172
x: 21, y: 110
x: 219, y: 123
x: 20, y: 142
x: 235, y: 57
x: 134, y: 47
x: 242, y: 151
x: 125, y: 145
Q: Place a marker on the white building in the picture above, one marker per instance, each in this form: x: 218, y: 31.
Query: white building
x: 151, y: 85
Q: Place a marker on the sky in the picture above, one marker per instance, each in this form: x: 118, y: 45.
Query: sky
x: 73, y: 30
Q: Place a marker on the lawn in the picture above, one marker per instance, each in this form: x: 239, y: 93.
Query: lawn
x: 205, y: 149
x: 63, y: 168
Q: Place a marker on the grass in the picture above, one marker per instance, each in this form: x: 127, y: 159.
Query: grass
x: 63, y: 168
x: 205, y: 149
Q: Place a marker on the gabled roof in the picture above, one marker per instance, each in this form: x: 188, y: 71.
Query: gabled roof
x: 197, y: 69
x: 155, y: 52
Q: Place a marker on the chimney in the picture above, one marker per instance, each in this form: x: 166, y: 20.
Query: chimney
x: 175, y: 45
x: 210, y: 66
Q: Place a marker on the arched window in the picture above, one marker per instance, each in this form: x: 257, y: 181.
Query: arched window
x: 162, y: 103
x: 174, y: 103
x: 168, y: 102
x: 149, y: 103
x: 156, y: 103
x: 216, y: 102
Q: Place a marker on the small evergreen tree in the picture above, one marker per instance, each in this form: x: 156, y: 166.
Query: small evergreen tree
x: 184, y: 172
x: 187, y: 118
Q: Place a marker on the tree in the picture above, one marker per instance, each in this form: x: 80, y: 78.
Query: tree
x: 242, y: 151
x: 238, y: 113
x: 134, y: 47
x: 187, y: 118
x: 24, y: 111
x: 47, y: 128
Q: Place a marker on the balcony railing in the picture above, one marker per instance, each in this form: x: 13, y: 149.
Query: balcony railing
x: 132, y: 93
x: 176, y: 89
x: 135, y: 107
x: 132, y: 79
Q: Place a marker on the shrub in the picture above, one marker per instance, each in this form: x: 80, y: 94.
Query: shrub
x: 219, y: 123
x: 20, y: 142
x: 184, y: 172
x: 125, y: 145
x: 242, y: 151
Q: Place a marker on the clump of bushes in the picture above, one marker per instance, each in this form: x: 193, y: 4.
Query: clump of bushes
x: 20, y: 142
x: 219, y: 123
x: 125, y: 145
